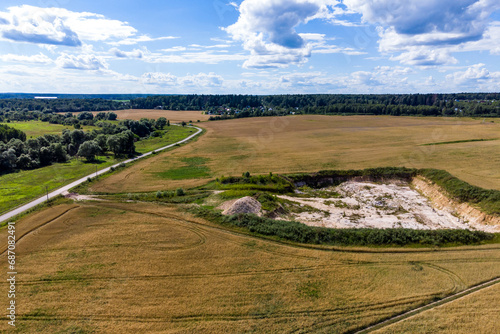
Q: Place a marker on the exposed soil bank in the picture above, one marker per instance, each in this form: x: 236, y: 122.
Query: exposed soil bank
x: 440, y: 200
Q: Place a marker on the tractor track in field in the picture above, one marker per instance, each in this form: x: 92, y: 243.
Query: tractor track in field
x: 36, y: 228
x: 339, y: 311
x: 430, y: 306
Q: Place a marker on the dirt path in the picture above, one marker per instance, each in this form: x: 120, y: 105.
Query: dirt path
x: 430, y: 306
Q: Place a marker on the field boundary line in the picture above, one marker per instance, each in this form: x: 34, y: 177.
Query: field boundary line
x: 430, y: 306
x: 20, y: 209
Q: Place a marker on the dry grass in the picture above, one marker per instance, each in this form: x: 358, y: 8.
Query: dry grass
x: 175, y: 116
x: 138, y: 267
x: 476, y: 313
x: 311, y: 143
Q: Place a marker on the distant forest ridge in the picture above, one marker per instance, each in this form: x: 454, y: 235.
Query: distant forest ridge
x: 238, y: 106
x: 72, y: 96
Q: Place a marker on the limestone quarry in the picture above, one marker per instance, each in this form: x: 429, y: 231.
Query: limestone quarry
x: 395, y: 204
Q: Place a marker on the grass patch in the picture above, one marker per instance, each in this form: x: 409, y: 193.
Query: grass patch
x: 23, y: 186
x: 168, y: 136
x: 35, y: 129
x: 195, y: 168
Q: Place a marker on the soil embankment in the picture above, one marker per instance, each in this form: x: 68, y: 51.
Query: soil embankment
x: 440, y: 200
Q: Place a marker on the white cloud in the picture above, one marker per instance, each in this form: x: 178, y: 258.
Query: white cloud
x: 421, y: 56
x: 81, y: 62
x: 59, y: 26
x: 168, y: 80
x: 141, y: 39
x: 136, y: 53
x: 426, y: 31
x: 175, y: 49
x: 267, y: 29
x: 474, y: 74
x: 203, y: 57
x: 34, y: 59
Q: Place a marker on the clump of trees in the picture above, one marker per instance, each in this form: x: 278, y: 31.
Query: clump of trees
x: 7, y: 133
x: 17, y: 152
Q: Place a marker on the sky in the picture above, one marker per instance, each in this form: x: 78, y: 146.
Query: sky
x: 249, y: 46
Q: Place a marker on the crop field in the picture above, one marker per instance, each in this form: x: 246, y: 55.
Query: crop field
x: 109, y: 267
x: 175, y: 116
x: 477, y: 312
x: 38, y: 128
x: 467, y: 148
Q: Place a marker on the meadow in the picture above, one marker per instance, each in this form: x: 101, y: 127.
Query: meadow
x: 113, y: 267
x: 310, y: 143
x: 35, y: 129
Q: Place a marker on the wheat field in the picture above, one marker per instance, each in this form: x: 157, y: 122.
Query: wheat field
x: 141, y: 267
x: 310, y: 143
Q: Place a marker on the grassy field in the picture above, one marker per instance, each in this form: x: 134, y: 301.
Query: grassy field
x: 311, y: 143
x: 142, y: 267
x: 35, y: 129
x: 175, y: 116
x: 18, y: 188
x: 21, y: 187
x: 170, y: 135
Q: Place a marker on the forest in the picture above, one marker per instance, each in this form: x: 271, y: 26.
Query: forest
x: 237, y: 106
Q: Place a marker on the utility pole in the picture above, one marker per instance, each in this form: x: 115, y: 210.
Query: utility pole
x: 47, y: 192
x: 95, y: 170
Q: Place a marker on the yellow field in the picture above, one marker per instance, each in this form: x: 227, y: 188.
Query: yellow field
x: 174, y: 116
x: 477, y: 313
x: 146, y: 268
x: 311, y: 143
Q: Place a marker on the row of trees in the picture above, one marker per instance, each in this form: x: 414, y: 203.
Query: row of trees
x: 62, y: 105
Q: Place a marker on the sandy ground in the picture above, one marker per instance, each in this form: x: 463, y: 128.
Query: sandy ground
x: 78, y: 197
x: 361, y: 205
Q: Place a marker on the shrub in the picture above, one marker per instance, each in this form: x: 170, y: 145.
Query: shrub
x: 180, y: 192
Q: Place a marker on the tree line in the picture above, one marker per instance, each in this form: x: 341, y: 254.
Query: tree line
x: 237, y: 106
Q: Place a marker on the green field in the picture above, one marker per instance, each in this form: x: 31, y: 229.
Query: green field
x: 37, y: 128
x: 170, y: 135
x: 18, y: 188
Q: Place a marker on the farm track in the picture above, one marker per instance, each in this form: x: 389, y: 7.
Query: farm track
x: 414, y: 312
x: 255, y: 316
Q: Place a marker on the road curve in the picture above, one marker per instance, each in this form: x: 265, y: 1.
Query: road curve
x: 59, y: 191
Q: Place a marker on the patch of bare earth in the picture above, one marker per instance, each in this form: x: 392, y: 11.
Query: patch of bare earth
x: 371, y: 205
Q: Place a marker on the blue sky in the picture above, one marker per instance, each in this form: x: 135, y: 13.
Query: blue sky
x: 249, y: 46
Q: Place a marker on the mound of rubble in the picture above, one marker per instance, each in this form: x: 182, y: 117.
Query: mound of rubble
x: 243, y: 205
